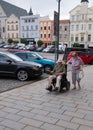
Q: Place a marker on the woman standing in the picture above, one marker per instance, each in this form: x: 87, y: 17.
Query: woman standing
x: 76, y: 62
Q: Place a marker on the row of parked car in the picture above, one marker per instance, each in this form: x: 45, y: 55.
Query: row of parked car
x: 24, y: 64
x: 31, y: 47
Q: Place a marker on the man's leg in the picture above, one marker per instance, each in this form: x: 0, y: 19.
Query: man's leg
x: 58, y: 82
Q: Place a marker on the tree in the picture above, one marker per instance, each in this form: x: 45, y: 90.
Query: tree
x: 23, y: 40
x: 76, y: 44
x: 40, y: 42
x: 54, y: 43
x: 10, y: 40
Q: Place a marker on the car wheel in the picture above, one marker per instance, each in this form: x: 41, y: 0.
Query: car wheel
x: 47, y: 68
x: 91, y: 62
x: 22, y: 75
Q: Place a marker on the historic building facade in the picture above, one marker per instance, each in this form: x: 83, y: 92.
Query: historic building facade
x: 7, y: 13
x: 81, y: 24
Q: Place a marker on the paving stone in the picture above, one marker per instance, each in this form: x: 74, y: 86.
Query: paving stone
x: 60, y: 116
x: 74, y: 114
x: 45, y: 119
x: 12, y: 124
x: 85, y: 128
x: 89, y: 117
x: 40, y: 112
x: 83, y: 122
x: 14, y: 117
x: 26, y: 114
x: 31, y: 128
x: 31, y: 122
x: 10, y: 110
x: 47, y: 126
x: 3, y: 114
x: 70, y: 125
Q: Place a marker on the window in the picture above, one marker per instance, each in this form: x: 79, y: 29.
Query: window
x: 48, y: 35
x: 22, y: 28
x: 44, y: 35
x: 36, y: 27
x: 76, y: 39
x: 8, y: 27
x: 89, y: 38
x: 82, y: 39
x: 16, y: 27
x: 22, y: 55
x: 72, y: 39
x: 73, y: 18
x: 89, y: 26
x: 12, y: 35
x: 65, y: 28
x: 3, y: 29
x: 12, y: 27
x: 44, y: 27
x: 41, y: 28
x: 48, y: 27
x: 3, y: 58
x: 72, y: 27
x: 32, y: 56
x: 77, y: 27
x: 41, y: 36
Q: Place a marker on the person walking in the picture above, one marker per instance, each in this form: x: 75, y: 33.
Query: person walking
x: 56, y: 73
x: 77, y: 63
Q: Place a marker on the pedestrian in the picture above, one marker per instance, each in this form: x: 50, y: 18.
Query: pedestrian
x: 77, y: 63
x: 57, y: 72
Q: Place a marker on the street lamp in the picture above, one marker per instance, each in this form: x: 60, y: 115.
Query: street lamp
x: 58, y: 27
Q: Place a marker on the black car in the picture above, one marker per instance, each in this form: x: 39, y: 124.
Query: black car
x: 13, y: 66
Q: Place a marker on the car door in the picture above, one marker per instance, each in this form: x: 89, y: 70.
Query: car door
x: 84, y: 56
x: 7, y: 66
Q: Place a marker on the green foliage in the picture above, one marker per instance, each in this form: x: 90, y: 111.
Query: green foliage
x: 10, y: 40
x: 23, y: 40
x: 54, y: 43
x: 40, y: 42
x: 76, y: 44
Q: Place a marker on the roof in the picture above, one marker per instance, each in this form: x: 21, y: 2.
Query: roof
x: 12, y: 9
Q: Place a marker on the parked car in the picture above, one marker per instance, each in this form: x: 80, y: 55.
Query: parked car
x: 40, y: 49
x: 35, y: 57
x: 87, y: 57
x: 13, y: 66
x: 69, y: 49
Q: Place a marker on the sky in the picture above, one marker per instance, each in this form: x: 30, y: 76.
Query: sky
x: 47, y: 7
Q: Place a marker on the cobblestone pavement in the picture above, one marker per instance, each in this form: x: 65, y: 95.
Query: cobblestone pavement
x: 31, y: 107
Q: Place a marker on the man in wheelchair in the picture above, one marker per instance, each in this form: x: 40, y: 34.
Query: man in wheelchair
x: 57, y: 73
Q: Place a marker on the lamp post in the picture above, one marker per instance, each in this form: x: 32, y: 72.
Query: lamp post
x: 58, y: 27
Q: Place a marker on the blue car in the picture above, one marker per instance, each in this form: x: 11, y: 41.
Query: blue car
x: 35, y: 57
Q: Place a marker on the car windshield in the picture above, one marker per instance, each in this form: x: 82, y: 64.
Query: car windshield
x: 14, y: 57
x: 37, y: 55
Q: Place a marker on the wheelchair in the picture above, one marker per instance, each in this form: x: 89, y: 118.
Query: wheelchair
x: 65, y: 84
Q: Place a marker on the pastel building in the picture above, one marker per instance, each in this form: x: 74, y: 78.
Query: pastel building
x: 81, y: 24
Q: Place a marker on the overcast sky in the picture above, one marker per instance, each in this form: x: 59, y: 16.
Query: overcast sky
x: 47, y: 7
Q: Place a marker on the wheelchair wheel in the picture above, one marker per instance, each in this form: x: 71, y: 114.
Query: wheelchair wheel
x: 68, y: 86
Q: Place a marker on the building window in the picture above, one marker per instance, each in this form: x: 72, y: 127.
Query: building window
x: 72, y: 39
x: 48, y: 35
x: 8, y: 35
x: 23, y: 35
x: 44, y: 27
x: 76, y: 39
x: 41, y: 36
x: 72, y: 27
x: 12, y: 35
x: 82, y: 39
x: 36, y: 27
x: 44, y: 35
x: 22, y: 28
x: 89, y: 38
x: 12, y: 27
x: 25, y: 20
x: 16, y: 35
x: 16, y: 27
x: 65, y: 28
x: 77, y: 27
x: 27, y: 28
x: 31, y: 27
x: 33, y: 20
x: 48, y: 27
x: 3, y: 29
x: 73, y: 18
x: 8, y: 27
x: 89, y: 26
x: 41, y: 28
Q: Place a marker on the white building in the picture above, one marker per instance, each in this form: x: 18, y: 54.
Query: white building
x: 6, y: 10
x: 30, y: 27
x: 81, y: 24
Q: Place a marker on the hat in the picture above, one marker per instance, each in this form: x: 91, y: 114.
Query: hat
x: 59, y: 60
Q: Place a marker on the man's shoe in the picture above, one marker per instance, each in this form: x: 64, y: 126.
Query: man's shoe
x: 55, y: 89
x: 49, y: 88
